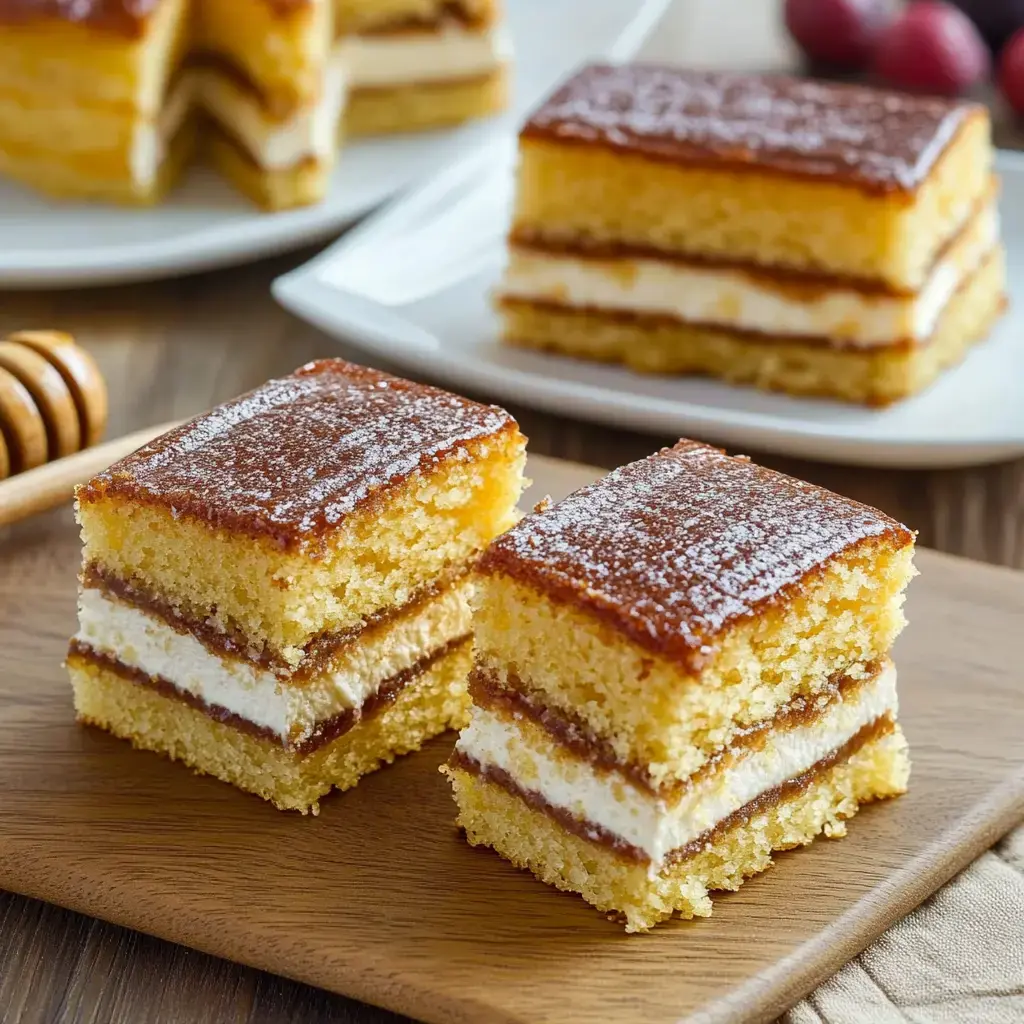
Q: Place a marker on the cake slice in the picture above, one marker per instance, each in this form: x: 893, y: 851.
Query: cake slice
x: 93, y: 104
x: 276, y: 593
x: 803, y: 236
x: 274, y: 89
x: 678, y: 670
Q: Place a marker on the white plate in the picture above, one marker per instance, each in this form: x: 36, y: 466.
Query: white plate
x: 206, y: 224
x: 413, y: 287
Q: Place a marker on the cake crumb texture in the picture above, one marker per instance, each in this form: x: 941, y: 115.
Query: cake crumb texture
x: 94, y: 175
x: 281, y: 601
x: 575, y: 194
x: 655, y: 715
x: 422, y: 106
x: 685, y: 596
x: 282, y: 189
x: 530, y: 839
x: 91, y: 92
x: 436, y: 701
x: 676, y: 549
x: 307, y: 505
x: 280, y: 49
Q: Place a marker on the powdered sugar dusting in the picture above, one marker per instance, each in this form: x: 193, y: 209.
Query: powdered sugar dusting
x: 675, y: 548
x: 877, y: 138
x: 294, y: 457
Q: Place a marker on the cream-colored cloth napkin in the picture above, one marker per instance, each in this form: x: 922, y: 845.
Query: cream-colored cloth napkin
x: 957, y: 959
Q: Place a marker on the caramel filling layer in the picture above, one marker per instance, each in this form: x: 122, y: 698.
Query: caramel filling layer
x: 603, y: 837
x: 513, y: 700
x: 460, y: 81
x: 220, y: 131
x: 802, y: 285
x: 320, y: 653
x: 449, y: 13
x: 653, y: 320
x: 326, y: 731
x: 810, y: 342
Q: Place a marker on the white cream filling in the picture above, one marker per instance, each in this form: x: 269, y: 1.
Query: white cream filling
x: 607, y: 799
x: 152, y: 137
x: 451, y: 52
x: 144, y: 642
x: 356, y: 61
x: 731, y: 299
x: 278, y: 145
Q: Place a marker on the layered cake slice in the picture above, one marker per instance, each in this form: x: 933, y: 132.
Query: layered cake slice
x: 809, y: 237
x: 276, y: 592
x: 416, y: 64
x: 91, y: 102
x: 679, y: 670
x: 273, y: 89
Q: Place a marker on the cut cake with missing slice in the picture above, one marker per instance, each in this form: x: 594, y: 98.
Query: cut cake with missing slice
x: 109, y: 99
x: 803, y: 236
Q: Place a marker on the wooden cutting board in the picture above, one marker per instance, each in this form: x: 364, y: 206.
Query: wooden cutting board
x: 379, y: 898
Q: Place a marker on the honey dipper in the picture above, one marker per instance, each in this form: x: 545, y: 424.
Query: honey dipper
x: 53, y: 401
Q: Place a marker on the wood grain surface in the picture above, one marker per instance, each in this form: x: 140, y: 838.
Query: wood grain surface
x: 172, y: 349
x: 379, y: 898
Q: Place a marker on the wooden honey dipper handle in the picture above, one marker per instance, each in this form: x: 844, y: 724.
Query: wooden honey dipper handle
x: 53, y: 400
x: 37, y: 490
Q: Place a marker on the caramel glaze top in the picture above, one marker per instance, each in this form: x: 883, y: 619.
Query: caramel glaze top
x: 674, y: 550
x: 290, y: 460
x: 877, y: 140
x: 125, y: 17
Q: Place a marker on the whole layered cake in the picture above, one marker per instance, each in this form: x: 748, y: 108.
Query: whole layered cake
x: 110, y: 99
x: 276, y: 593
x: 679, y: 670
x: 802, y: 236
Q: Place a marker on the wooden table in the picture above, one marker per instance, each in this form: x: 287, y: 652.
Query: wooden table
x: 175, y: 348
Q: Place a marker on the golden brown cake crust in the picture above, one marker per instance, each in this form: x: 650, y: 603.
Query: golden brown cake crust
x: 873, y: 139
x: 289, y: 461
x: 674, y: 550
